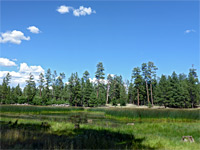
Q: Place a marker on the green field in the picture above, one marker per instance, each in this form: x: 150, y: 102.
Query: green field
x: 35, y: 127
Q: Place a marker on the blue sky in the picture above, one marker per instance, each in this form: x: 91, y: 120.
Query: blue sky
x: 120, y: 34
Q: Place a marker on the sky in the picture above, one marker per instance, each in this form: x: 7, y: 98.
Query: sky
x: 73, y: 36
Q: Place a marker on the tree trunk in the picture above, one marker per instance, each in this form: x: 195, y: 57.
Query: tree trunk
x: 138, y: 95
x: 147, y: 92
x: 108, y: 87
x: 151, y: 94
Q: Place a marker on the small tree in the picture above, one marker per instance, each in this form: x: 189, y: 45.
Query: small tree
x: 30, y: 88
x: 5, y: 88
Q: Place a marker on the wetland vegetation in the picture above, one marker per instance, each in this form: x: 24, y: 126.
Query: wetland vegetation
x: 44, y: 127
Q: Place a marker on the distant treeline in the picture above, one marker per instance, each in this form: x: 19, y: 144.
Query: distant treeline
x: 144, y: 88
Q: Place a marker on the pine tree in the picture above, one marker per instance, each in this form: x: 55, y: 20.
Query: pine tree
x: 184, y: 91
x: 86, y: 88
x: 152, y: 74
x: 131, y: 93
x: 86, y: 75
x: 109, y: 80
x: 175, y: 99
x: 30, y: 88
x: 115, y: 88
x: 145, y: 72
x: 193, y: 88
x: 41, y: 83
x: 54, y: 77
x: 47, y: 85
x: 93, y: 100
x: 137, y: 82
x: 161, y: 96
x: 75, y: 89
x: 5, y: 88
x: 123, y: 96
x: 13, y: 97
x: 99, y: 75
x: 17, y: 93
x: 59, y: 86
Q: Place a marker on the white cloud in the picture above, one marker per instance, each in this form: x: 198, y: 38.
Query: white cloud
x: 20, y: 77
x: 24, y: 68
x: 81, y: 11
x: 64, y: 9
x: 189, y: 31
x: 14, y: 37
x: 34, y: 29
x: 6, y: 62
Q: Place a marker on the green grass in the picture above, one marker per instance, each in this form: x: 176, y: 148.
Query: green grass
x: 183, y: 114
x: 37, y: 109
x: 153, y: 129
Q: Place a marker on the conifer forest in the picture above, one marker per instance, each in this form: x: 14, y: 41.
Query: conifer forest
x: 144, y: 88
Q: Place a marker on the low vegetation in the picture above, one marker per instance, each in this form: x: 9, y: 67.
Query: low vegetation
x: 173, y: 114
x: 42, y: 127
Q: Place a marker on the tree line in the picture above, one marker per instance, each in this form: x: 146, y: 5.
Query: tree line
x: 144, y: 88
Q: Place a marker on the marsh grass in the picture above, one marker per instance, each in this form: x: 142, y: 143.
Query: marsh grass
x: 24, y: 136
x: 107, y: 130
x: 37, y: 109
x: 180, y: 114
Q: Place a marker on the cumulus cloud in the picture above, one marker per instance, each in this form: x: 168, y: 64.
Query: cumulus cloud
x: 64, y: 9
x: 6, y: 62
x: 20, y: 76
x: 14, y: 37
x: 81, y: 11
x: 189, y: 31
x: 24, y: 68
x: 34, y: 29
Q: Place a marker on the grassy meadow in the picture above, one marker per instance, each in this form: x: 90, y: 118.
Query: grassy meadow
x: 37, y: 127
